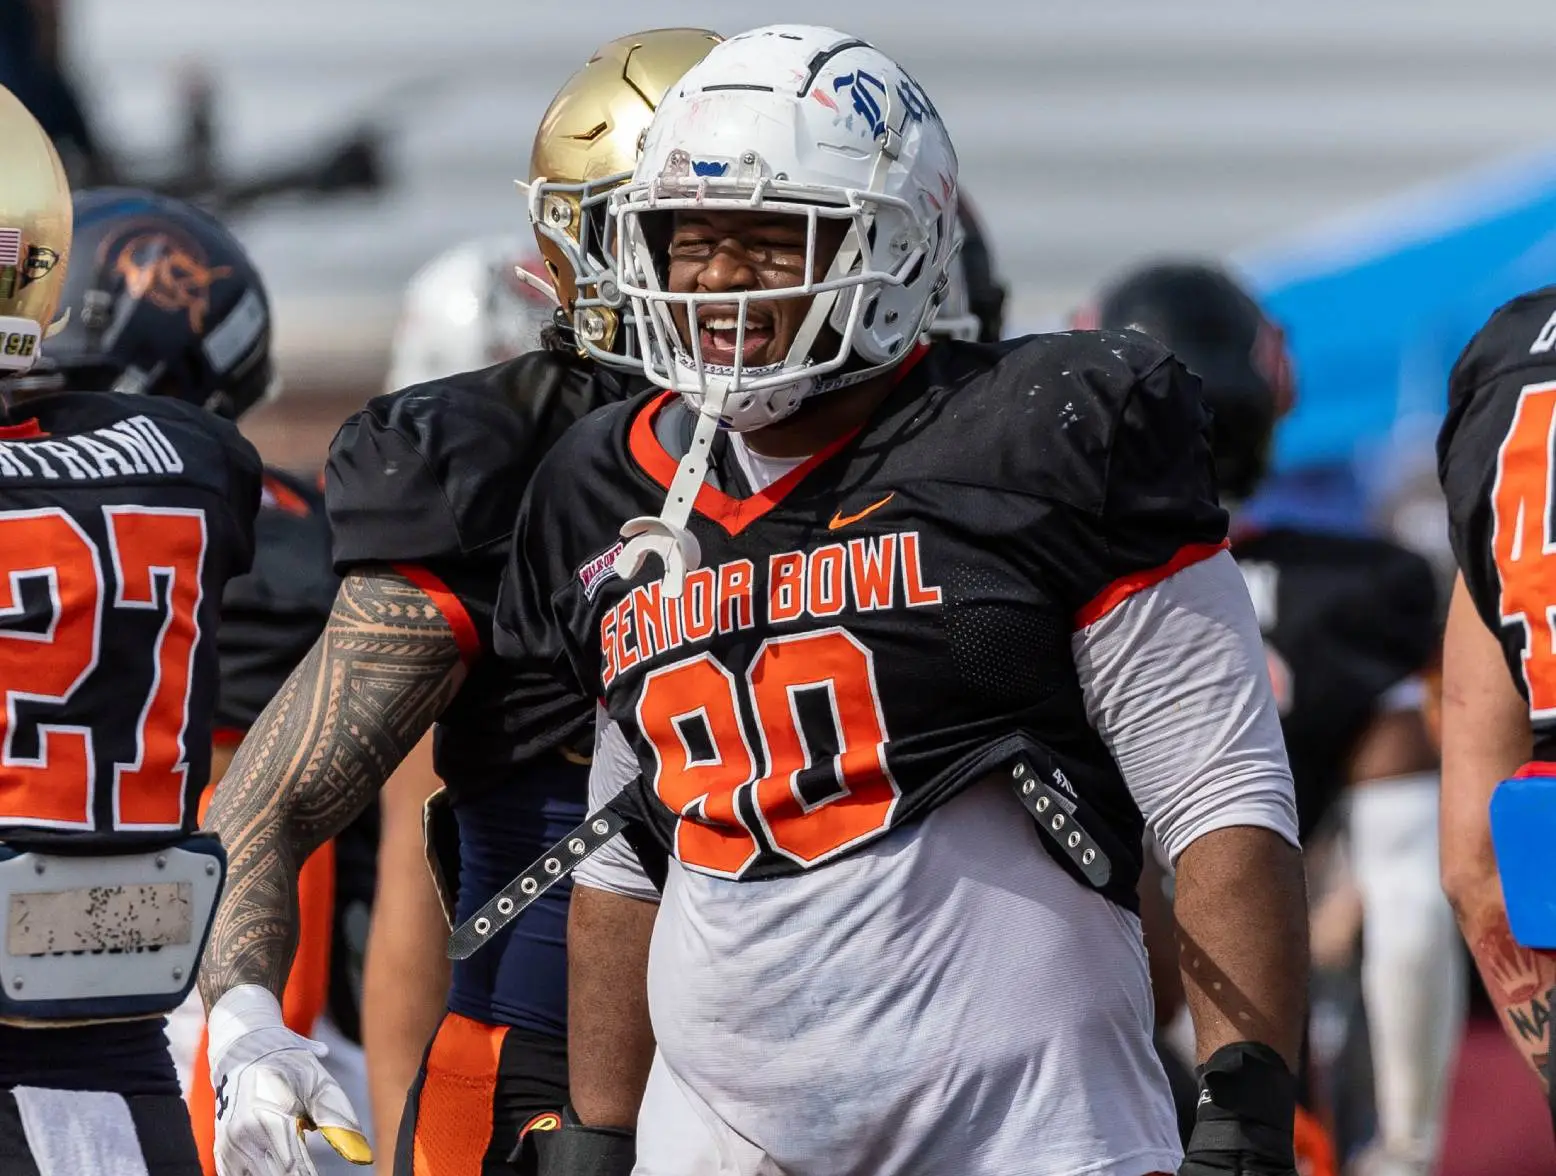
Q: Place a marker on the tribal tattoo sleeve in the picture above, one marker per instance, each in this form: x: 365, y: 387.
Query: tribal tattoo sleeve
x: 384, y: 668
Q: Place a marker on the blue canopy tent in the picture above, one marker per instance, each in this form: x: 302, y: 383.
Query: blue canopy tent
x: 1377, y: 306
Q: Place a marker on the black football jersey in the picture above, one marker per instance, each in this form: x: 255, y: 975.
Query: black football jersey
x: 122, y: 519
x: 1345, y: 619
x: 1494, y: 460
x: 890, y: 620
x: 272, y: 615
x: 429, y: 478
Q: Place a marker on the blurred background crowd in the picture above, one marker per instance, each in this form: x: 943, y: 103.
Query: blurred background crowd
x: 1378, y: 172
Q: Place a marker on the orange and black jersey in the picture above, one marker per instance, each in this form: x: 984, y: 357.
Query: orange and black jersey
x: 122, y: 519
x: 888, y: 621
x: 1345, y: 619
x: 428, y: 480
x: 1495, y: 462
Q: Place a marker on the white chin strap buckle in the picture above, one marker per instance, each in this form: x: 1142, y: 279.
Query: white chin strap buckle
x: 676, y: 547
x: 668, y: 535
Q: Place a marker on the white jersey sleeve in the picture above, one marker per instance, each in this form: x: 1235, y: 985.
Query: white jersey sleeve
x: 1177, y: 684
x: 615, y: 867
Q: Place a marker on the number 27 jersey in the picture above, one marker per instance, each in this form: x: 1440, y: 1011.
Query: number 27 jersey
x: 121, y: 520
x: 889, y: 621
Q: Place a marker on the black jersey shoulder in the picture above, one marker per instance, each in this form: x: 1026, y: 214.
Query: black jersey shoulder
x: 1358, y: 593
x: 436, y: 471
x: 1346, y: 619
x: 1517, y: 338
x: 76, y: 446
x: 1104, y: 432
x: 1086, y: 418
x: 272, y: 615
x: 1512, y: 352
x: 209, y: 451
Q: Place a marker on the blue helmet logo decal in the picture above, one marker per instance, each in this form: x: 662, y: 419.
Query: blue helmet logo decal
x: 866, y: 92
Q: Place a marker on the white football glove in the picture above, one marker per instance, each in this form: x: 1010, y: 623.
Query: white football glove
x: 270, y: 1089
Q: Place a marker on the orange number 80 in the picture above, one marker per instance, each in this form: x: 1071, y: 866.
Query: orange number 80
x: 809, y: 805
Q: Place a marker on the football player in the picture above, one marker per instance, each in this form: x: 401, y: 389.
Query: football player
x: 875, y: 607
x: 270, y: 614
x: 465, y: 309
x: 422, y: 487
x: 1494, y: 457
x: 1350, y: 625
x: 125, y: 508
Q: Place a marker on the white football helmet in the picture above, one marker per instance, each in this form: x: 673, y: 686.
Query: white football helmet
x: 809, y: 121
x: 799, y: 120
x: 973, y: 305
x: 955, y: 318
x: 467, y: 309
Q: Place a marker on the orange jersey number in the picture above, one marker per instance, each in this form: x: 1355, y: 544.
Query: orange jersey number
x: 148, y: 547
x: 1524, y: 554
x: 822, y: 791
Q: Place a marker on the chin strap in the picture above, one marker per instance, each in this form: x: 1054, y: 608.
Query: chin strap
x: 667, y: 535
x: 538, y: 284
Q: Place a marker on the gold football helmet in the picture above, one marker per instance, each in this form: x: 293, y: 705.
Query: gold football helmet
x: 35, y: 221
x: 587, y: 144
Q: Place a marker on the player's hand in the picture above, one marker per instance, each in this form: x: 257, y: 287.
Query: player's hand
x: 1244, y: 1121
x: 270, y: 1089
x: 571, y: 1149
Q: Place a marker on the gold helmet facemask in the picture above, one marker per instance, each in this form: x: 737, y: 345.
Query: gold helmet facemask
x: 587, y: 145
x: 35, y: 222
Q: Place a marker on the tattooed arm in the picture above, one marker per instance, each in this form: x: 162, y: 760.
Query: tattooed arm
x: 384, y: 668
x: 1486, y: 738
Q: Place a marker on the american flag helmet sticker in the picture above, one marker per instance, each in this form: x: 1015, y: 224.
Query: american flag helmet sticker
x: 10, y: 247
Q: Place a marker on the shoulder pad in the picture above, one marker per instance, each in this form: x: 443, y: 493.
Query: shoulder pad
x: 1511, y: 352
x: 437, y: 470
x: 1519, y: 334
x: 1086, y: 414
x: 1109, y: 428
x: 242, y: 473
x: 244, y: 466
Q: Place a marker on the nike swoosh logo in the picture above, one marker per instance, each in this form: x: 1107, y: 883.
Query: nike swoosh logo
x: 842, y: 520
